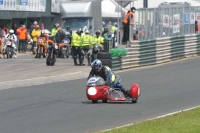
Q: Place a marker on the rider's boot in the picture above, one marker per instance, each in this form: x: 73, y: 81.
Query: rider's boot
x: 75, y: 62
x: 126, y: 93
x: 89, y: 62
x: 81, y: 62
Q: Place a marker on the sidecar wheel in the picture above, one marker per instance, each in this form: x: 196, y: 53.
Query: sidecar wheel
x: 105, y: 101
x: 94, y: 101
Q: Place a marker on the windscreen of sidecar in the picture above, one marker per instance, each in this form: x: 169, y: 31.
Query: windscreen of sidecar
x: 95, y: 81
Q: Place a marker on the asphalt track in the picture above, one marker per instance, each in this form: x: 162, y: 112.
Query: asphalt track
x: 63, y: 107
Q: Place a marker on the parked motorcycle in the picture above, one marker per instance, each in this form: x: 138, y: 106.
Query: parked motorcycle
x: 9, y: 48
x: 97, y: 90
x: 40, y: 45
x: 51, y: 54
x: 64, y: 48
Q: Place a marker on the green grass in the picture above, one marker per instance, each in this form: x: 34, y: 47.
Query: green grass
x: 184, y: 122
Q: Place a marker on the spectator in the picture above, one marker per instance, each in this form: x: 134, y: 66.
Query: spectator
x: 109, y: 26
x: 22, y: 38
x: 128, y: 20
x: 33, y: 27
x: 2, y: 38
x: 7, y: 29
x: 14, y: 27
x: 42, y: 26
x: 35, y: 34
x: 196, y: 27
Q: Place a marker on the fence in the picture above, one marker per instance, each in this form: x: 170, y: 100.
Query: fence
x: 168, y: 20
x: 157, y: 51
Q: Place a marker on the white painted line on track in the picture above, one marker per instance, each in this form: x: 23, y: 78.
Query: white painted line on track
x: 162, y: 116
x: 42, y: 77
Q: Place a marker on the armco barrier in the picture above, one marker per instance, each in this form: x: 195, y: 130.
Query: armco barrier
x: 116, y: 63
x: 151, y: 52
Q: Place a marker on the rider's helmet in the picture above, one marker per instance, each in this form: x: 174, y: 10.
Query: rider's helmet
x: 97, y: 33
x: 56, y: 25
x: 115, y: 24
x: 79, y: 31
x: 67, y: 28
x: 103, y: 23
x: 42, y: 32
x: 96, y: 65
x: 105, y: 29
x: 11, y: 31
x: 87, y: 32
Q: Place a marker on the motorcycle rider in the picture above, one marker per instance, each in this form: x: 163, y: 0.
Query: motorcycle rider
x: 13, y: 38
x: 86, y: 41
x: 60, y: 35
x: 98, y: 40
x: 45, y: 36
x: 67, y: 29
x: 108, y: 75
x: 55, y: 30
x: 76, y: 48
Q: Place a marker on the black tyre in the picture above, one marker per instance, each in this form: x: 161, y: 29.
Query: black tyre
x: 8, y: 52
x: 48, y: 60
x: 104, y: 55
x: 94, y: 101
x: 105, y: 101
x: 135, y: 100
x: 106, y: 61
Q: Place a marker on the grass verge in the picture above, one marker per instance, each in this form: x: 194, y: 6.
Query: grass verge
x: 183, y: 122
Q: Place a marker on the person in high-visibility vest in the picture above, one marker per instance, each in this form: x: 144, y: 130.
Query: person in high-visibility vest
x: 76, y: 47
x: 86, y: 42
x: 128, y: 19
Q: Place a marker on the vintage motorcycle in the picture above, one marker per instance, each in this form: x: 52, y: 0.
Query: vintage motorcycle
x: 64, y: 48
x: 9, y: 48
x: 40, y: 47
x: 97, y: 90
x: 51, y: 53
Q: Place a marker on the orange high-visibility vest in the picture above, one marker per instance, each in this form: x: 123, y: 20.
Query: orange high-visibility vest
x: 127, y: 16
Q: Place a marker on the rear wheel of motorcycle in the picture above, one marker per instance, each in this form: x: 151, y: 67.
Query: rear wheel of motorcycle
x: 94, y: 101
x: 41, y: 52
x: 7, y: 52
x: 48, y: 61
x: 105, y: 101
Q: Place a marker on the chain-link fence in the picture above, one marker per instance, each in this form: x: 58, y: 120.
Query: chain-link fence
x: 167, y: 20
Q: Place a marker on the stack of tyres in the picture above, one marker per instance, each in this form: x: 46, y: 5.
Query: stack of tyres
x: 105, y: 58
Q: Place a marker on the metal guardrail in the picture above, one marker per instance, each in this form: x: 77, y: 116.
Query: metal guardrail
x: 116, y: 63
x: 151, y: 52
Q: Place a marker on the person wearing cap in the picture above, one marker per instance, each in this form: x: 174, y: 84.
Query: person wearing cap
x: 35, y: 34
x: 128, y: 20
x: 86, y: 42
x: 33, y: 26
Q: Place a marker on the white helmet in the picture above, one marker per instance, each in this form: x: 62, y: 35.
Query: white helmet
x: 11, y: 31
x: 87, y: 31
x: 43, y: 31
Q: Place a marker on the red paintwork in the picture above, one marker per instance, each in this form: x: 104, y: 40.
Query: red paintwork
x: 135, y: 91
x: 102, y: 93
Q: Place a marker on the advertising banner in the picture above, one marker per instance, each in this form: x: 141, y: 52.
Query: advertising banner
x: 192, y: 18
x: 23, y: 5
x: 165, y: 20
x: 186, y: 18
x: 176, y: 23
